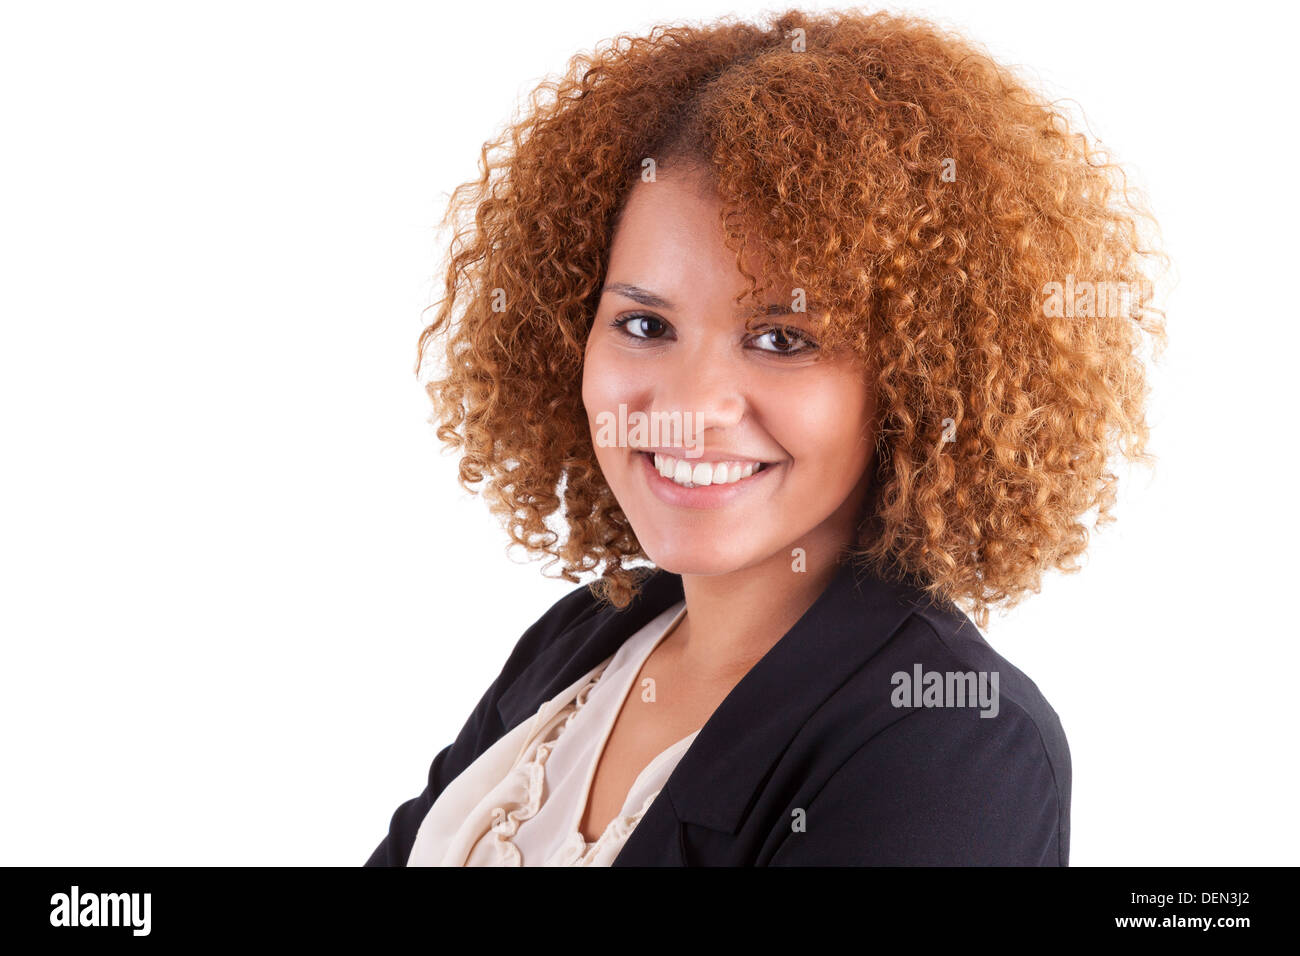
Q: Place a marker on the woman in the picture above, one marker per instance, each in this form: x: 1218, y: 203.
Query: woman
x: 793, y: 331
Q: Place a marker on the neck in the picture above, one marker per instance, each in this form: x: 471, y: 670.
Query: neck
x: 733, y: 619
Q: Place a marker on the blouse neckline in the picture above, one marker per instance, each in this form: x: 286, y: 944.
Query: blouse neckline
x: 629, y: 681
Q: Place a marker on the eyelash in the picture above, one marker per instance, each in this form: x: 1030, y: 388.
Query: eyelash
x: 810, y: 346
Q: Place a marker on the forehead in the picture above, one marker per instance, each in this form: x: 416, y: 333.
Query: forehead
x: 670, y: 238
x: 676, y: 205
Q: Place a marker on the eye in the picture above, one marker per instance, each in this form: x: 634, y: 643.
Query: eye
x: 785, y: 341
x: 640, y: 326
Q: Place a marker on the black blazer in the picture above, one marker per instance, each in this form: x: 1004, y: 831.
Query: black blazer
x: 811, y: 727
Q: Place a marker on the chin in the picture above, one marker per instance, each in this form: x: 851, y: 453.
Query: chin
x: 705, y: 559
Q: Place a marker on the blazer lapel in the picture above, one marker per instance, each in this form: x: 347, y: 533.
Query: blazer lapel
x: 715, y: 782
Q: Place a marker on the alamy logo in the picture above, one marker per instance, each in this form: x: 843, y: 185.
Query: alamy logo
x: 650, y: 429
x: 1083, y: 298
x: 946, y: 689
x: 101, y: 909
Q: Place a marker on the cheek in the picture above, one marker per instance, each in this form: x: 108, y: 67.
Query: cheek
x: 596, y: 388
x: 827, y: 426
x: 608, y: 380
x: 605, y: 386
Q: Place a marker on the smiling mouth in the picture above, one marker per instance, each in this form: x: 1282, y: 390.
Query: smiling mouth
x: 687, y: 474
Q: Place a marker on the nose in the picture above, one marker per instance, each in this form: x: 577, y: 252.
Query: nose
x: 704, y: 382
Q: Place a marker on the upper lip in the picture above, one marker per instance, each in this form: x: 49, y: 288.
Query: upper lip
x: 711, y: 455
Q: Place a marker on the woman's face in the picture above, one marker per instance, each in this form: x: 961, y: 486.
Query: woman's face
x: 668, y: 338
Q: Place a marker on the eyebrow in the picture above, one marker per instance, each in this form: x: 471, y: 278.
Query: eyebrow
x: 649, y: 299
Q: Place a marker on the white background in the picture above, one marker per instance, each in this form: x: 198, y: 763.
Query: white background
x: 243, y: 601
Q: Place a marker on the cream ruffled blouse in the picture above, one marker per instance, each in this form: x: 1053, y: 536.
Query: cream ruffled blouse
x: 522, y: 801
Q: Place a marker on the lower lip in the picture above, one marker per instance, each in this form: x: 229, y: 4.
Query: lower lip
x: 701, y: 496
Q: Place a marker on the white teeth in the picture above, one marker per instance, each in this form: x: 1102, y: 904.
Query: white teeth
x: 704, y: 472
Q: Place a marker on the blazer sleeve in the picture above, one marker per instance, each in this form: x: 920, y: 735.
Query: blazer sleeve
x: 939, y: 787
x: 483, y: 728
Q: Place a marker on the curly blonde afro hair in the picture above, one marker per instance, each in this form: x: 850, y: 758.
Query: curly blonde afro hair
x: 943, y: 217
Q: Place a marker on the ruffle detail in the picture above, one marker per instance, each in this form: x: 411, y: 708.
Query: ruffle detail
x: 528, y: 781
x: 578, y: 852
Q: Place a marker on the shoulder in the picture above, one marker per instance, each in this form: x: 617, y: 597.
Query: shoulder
x: 483, y: 727
x: 947, y: 637
x: 965, y: 763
